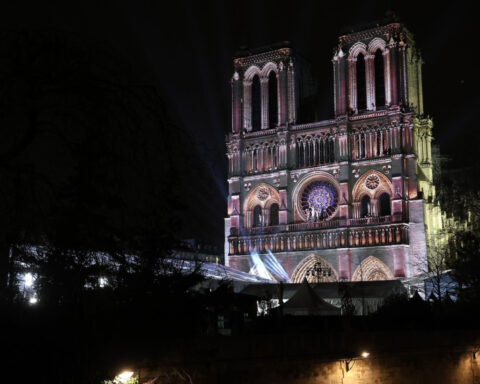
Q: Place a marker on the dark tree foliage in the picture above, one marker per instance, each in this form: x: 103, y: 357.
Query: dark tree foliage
x: 458, y: 189
x: 90, y: 170
x: 466, y: 266
x: 86, y: 154
x: 458, y: 186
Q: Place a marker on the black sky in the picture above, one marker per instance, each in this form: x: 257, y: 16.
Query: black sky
x: 185, y: 49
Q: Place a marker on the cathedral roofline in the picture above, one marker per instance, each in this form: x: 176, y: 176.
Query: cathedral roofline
x: 282, y: 51
x: 244, y: 52
x: 390, y: 18
x: 369, y: 31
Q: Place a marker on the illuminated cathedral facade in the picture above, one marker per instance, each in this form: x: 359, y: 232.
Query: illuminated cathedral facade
x: 354, y: 193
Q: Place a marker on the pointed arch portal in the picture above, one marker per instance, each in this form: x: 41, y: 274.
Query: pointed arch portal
x: 372, y: 269
x: 300, y: 271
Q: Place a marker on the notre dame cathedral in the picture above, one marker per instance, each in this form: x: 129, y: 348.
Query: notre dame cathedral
x: 354, y: 193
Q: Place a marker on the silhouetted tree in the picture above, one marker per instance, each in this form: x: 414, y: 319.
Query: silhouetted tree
x: 86, y: 154
x: 466, y: 266
x: 91, y: 180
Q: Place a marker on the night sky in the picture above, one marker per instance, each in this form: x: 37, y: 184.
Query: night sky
x: 186, y: 48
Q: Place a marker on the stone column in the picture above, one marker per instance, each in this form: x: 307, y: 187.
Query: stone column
x: 230, y: 164
x: 356, y: 210
x: 335, y: 85
x: 336, y: 154
x: 370, y: 145
x: 247, y: 105
x: 403, y: 74
x: 293, y: 156
x: 282, y: 93
x: 283, y: 211
x: 386, y: 76
x: 236, y: 103
x: 429, y: 147
x: 292, y: 113
x: 420, y: 85
x: 381, y: 143
x: 266, y: 217
x: 392, y: 51
x: 370, y: 80
x: 374, y: 207
x: 304, y: 155
x: 339, y: 83
x: 352, y: 83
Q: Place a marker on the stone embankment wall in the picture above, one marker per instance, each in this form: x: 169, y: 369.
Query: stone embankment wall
x: 395, y: 358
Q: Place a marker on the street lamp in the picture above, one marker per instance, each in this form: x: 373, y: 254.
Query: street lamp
x: 319, y: 270
x: 351, y: 362
x: 124, y: 377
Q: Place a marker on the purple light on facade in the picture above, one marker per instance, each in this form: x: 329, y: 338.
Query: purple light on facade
x: 320, y: 197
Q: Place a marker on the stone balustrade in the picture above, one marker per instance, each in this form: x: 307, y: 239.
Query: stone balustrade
x: 294, y: 237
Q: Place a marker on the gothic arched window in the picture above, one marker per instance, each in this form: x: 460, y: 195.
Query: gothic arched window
x: 311, y: 148
x: 365, y: 206
x: 256, y: 104
x: 272, y: 100
x: 274, y: 209
x: 384, y: 202
x: 379, y: 79
x: 361, y: 83
x: 257, y: 216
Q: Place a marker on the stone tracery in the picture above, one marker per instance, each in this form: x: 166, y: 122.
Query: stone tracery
x: 315, y: 149
x: 372, y: 181
x: 308, y: 262
x: 316, y: 197
x: 263, y: 156
x: 319, y: 200
x: 373, y: 184
x: 266, y: 106
x: 367, y: 53
x: 372, y: 269
x: 257, y: 205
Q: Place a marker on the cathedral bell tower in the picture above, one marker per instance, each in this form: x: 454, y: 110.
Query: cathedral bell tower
x: 268, y: 85
x: 377, y: 69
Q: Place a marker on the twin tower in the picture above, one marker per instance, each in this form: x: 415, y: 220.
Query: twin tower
x: 353, y: 194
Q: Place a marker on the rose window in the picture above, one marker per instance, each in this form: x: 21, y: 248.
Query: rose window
x: 263, y: 193
x: 372, y: 182
x: 319, y: 200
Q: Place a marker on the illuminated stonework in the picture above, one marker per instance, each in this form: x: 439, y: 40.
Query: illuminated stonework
x: 346, y: 189
x: 372, y: 269
x: 319, y: 200
x: 372, y: 181
x: 263, y: 193
x: 301, y: 271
